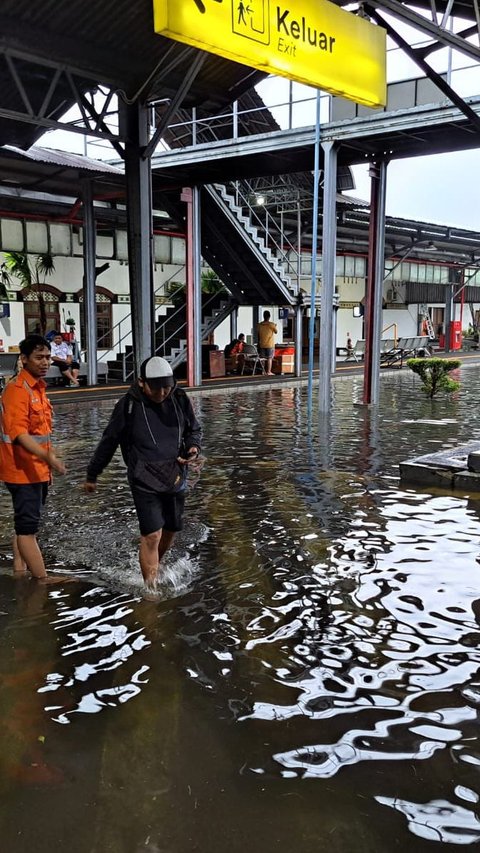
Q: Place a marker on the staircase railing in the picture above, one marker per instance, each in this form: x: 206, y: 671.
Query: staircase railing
x: 116, y: 346
x: 273, y: 235
x: 177, y: 333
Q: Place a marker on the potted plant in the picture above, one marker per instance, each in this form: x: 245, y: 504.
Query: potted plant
x: 70, y: 324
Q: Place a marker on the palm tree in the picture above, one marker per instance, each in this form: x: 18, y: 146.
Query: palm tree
x: 29, y: 272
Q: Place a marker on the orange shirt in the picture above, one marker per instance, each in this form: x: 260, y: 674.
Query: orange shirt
x: 266, y: 334
x: 24, y: 408
x: 237, y: 348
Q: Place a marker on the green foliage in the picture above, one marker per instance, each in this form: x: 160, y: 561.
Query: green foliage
x: 434, y: 373
x: 210, y: 284
x: 29, y: 273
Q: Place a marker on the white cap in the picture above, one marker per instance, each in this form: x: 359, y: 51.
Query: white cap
x: 157, y: 370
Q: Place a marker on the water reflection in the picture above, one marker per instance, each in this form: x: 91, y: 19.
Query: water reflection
x: 309, y: 675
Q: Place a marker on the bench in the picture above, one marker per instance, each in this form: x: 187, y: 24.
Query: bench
x: 406, y: 348
x: 469, y: 343
x: 8, y: 361
x: 358, y: 351
x: 55, y: 377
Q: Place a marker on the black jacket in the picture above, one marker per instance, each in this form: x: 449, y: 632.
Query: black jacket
x: 147, y: 430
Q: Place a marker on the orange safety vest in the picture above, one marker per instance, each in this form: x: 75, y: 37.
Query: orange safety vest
x: 24, y: 409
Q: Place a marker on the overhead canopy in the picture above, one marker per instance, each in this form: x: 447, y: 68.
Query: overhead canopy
x: 109, y: 42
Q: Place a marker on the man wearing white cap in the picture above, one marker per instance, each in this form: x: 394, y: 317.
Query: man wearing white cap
x: 158, y: 434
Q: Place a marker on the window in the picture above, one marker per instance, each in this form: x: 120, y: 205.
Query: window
x: 32, y: 314
x: 104, y: 320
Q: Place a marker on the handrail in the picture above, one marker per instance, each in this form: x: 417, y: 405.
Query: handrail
x: 266, y: 229
x: 176, y: 334
x: 116, y: 345
x: 395, y: 335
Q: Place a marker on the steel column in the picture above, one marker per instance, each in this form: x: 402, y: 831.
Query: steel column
x: 89, y: 297
x: 298, y: 340
x: 298, y: 336
x: 134, y: 127
x: 449, y: 308
x: 234, y: 323
x: 255, y: 321
x: 191, y: 195
x: 375, y: 277
x: 313, y: 283
x: 329, y: 239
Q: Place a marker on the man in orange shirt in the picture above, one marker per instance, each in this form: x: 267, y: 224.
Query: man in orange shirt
x: 27, y: 457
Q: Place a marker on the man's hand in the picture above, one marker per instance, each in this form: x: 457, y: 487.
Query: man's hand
x: 192, y: 454
x: 48, y: 456
x: 55, y: 463
x: 89, y: 487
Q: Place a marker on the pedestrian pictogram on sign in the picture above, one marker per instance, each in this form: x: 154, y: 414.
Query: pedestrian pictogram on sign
x: 251, y: 19
x: 311, y: 41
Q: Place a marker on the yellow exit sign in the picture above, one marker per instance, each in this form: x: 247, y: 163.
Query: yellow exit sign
x: 310, y: 41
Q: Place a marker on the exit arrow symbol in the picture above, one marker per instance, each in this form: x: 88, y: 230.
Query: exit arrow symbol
x: 201, y: 6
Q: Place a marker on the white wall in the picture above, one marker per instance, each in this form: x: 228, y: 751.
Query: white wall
x: 222, y: 334
x: 12, y: 329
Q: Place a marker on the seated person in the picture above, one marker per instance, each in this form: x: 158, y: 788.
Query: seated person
x: 61, y: 355
x: 233, y: 351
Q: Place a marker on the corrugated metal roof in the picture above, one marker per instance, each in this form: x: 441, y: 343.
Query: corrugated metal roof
x: 44, y: 171
x: 63, y: 158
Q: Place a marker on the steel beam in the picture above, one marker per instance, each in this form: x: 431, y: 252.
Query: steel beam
x: 89, y: 295
x: 134, y: 128
x: 408, y: 16
x: 375, y: 277
x: 328, y: 275
x: 191, y: 195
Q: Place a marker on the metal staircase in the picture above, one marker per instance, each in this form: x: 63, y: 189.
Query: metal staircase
x: 250, y: 264
x: 170, y: 340
x: 253, y: 263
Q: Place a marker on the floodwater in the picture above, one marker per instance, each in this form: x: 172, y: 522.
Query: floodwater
x: 308, y: 677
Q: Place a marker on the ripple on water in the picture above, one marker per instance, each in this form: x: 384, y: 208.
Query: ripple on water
x: 317, y: 620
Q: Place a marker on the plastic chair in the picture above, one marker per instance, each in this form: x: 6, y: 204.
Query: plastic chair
x: 252, y: 359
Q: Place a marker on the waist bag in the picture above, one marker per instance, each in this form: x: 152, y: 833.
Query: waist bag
x: 166, y: 476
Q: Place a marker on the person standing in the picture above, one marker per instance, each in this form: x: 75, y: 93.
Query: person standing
x: 27, y: 456
x: 158, y: 434
x: 266, y: 332
x: 63, y: 359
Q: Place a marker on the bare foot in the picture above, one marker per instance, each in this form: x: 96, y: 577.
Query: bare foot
x: 151, y: 584
x: 48, y: 579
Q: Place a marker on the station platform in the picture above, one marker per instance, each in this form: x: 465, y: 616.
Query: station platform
x: 342, y: 369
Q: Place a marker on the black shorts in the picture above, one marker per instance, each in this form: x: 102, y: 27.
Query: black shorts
x: 65, y: 365
x: 158, y: 512
x: 28, y: 500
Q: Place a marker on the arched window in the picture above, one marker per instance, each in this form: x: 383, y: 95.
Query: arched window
x: 32, y: 308
x: 104, y: 299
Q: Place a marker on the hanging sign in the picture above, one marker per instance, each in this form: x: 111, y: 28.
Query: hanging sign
x: 310, y: 41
